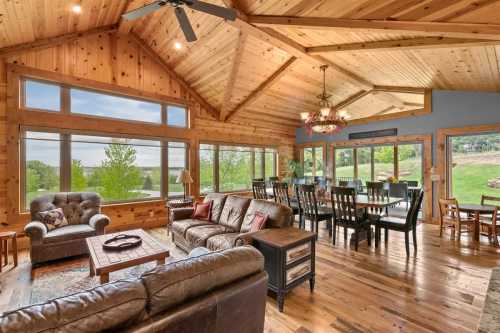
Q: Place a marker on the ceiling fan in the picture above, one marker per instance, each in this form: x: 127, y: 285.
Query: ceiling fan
x: 187, y: 29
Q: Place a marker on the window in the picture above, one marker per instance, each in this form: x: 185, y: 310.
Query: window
x: 228, y: 168
x: 410, y: 162
x: 318, y: 161
x: 344, y: 163
x: 111, y: 106
x: 364, y: 160
x: 308, y: 162
x: 117, y: 169
x: 474, y: 167
x: 176, y: 116
x: 177, y: 161
x: 42, y: 167
x: 313, y: 161
x: 43, y: 96
x: 383, y: 162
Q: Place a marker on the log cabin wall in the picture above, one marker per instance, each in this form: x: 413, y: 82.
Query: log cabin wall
x: 118, y: 61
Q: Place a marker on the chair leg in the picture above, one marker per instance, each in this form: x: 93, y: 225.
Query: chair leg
x: 459, y: 231
x: 377, y: 236
x: 369, y: 235
x: 414, y: 240
x: 334, y: 232
x: 345, y: 235
x: 441, y: 228
x: 356, y: 234
x: 386, y: 235
x: 407, y: 243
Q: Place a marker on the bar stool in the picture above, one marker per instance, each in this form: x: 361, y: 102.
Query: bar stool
x: 4, y: 247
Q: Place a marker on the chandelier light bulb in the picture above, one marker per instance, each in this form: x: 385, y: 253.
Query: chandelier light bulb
x: 304, y: 115
x: 325, y: 111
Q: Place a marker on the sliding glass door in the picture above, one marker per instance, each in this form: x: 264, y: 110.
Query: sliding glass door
x: 410, y: 162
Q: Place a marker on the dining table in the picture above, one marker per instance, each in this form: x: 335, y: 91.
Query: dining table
x: 476, y: 210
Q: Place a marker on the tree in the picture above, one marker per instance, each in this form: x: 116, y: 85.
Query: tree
x: 148, y: 183
x: 117, y: 174
x: 47, y: 176
x: 78, y: 181
x: 32, y: 180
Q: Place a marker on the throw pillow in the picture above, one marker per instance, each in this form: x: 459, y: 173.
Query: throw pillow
x: 203, y: 211
x: 258, y: 222
x: 54, y: 219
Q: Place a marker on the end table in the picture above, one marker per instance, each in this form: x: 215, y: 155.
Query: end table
x: 177, y: 203
x: 4, y: 247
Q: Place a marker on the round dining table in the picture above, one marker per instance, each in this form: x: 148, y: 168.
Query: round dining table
x: 476, y: 210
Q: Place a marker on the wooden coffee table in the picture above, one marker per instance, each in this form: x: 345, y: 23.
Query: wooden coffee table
x: 102, y: 262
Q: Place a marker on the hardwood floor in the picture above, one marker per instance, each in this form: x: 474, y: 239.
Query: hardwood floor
x: 441, y: 290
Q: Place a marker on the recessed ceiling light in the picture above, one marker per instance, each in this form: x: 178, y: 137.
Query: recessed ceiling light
x: 177, y: 45
x: 76, y: 9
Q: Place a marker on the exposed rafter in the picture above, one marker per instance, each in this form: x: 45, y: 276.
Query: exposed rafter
x: 446, y: 29
x: 125, y: 26
x: 53, y: 41
x: 152, y: 54
x: 405, y: 90
x: 403, y: 44
x: 273, y: 79
x: 228, y: 92
x: 351, y: 99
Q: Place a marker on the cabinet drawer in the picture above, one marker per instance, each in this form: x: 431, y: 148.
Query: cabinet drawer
x: 298, y: 271
x: 298, y: 253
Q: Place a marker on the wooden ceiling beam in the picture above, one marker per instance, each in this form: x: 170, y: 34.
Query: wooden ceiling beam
x: 403, y: 44
x: 268, y: 83
x: 445, y: 29
x: 154, y: 56
x: 351, y: 99
x: 54, y: 41
x: 404, y: 90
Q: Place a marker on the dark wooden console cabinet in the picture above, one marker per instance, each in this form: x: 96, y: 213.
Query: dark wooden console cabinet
x: 289, y: 259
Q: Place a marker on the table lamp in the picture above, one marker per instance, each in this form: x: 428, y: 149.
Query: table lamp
x: 184, y: 178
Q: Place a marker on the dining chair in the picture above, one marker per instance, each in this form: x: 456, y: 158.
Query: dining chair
x: 273, y: 179
x: 399, y: 190
x: 259, y: 190
x: 306, y: 195
x: 411, y: 183
x: 258, y: 180
x: 376, y: 191
x: 489, y: 200
x: 490, y: 225
x: 450, y: 217
x: 281, y: 196
x: 343, y: 183
x: 346, y: 214
x: 402, y: 224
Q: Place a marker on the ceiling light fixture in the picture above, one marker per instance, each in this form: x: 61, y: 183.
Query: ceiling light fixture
x: 76, y: 9
x: 326, y: 120
x: 177, y: 45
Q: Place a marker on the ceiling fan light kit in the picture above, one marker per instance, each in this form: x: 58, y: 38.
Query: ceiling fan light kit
x: 180, y: 13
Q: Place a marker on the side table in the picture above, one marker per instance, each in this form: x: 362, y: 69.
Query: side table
x: 4, y: 247
x: 289, y: 259
x: 177, y: 203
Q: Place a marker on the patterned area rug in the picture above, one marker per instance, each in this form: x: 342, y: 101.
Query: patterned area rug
x: 71, y: 276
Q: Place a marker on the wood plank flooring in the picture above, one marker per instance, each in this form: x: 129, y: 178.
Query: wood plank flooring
x: 373, y: 290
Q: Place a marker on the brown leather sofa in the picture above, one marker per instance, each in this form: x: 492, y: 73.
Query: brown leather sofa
x: 230, y: 222
x: 215, y: 292
x: 83, y: 212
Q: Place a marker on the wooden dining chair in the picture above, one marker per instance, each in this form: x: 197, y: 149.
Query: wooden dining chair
x: 407, y: 225
x: 489, y: 200
x: 281, y: 196
x: 490, y: 224
x: 450, y: 217
x: 259, y: 190
x: 306, y: 195
x: 376, y: 191
x: 346, y: 214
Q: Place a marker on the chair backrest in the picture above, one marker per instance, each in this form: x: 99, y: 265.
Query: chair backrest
x: 280, y: 191
x: 358, y: 185
x: 398, y: 190
x: 412, y: 183
x: 344, y: 204
x: 273, y: 179
x: 343, y: 183
x: 496, y: 216
x: 258, y: 180
x: 306, y: 195
x: 259, y: 190
x: 376, y: 190
x: 416, y: 203
x: 489, y: 200
x: 448, y: 209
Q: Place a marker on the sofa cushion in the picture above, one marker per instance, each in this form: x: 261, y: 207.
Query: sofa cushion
x: 278, y: 216
x: 178, y: 282
x: 197, y: 236
x: 180, y: 227
x: 110, y: 307
x: 222, y: 241
x: 218, y: 200
x: 69, y: 232
x: 234, y: 211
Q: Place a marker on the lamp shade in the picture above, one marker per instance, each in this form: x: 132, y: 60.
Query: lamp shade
x: 184, y: 177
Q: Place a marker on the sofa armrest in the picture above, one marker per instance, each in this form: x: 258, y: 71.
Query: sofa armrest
x: 36, y: 231
x: 177, y: 214
x: 245, y: 238
x: 99, y: 222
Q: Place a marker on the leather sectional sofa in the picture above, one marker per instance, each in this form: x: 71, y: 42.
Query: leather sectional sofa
x: 230, y: 222
x: 217, y: 292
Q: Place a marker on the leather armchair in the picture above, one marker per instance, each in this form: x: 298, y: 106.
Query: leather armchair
x: 83, y: 212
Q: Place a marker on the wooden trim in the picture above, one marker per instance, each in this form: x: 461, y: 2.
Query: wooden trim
x: 405, y: 90
x: 445, y: 29
x: 417, y: 43
x: 353, y: 98
x: 54, y: 41
x: 261, y: 89
x: 390, y: 116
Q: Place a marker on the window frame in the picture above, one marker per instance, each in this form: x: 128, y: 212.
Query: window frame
x: 65, y: 161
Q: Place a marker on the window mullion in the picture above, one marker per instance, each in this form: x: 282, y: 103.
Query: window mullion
x: 216, y: 168
x: 65, y: 173
x: 164, y: 169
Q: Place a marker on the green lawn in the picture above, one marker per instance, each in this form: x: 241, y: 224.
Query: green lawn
x: 470, y: 181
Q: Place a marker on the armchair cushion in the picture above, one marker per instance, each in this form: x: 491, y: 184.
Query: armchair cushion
x: 54, y: 219
x: 70, y: 232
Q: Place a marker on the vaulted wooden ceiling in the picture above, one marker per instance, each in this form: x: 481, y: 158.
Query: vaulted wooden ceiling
x: 266, y: 63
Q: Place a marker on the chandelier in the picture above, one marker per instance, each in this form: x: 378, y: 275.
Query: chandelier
x: 326, y: 120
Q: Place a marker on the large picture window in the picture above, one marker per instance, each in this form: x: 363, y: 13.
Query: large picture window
x: 312, y: 159
x: 119, y: 169
x: 228, y: 168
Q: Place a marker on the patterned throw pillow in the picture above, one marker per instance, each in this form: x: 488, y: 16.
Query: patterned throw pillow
x: 258, y: 222
x: 53, y: 219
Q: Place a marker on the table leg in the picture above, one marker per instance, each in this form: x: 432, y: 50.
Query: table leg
x: 281, y: 301
x: 6, y: 251
x: 161, y: 261
x: 104, y: 278
x: 14, y: 250
x: 1, y: 254
x: 476, y: 226
x: 91, y: 267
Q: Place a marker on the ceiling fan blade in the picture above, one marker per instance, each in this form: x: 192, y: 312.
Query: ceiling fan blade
x: 186, y: 27
x: 145, y: 10
x: 223, y: 12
